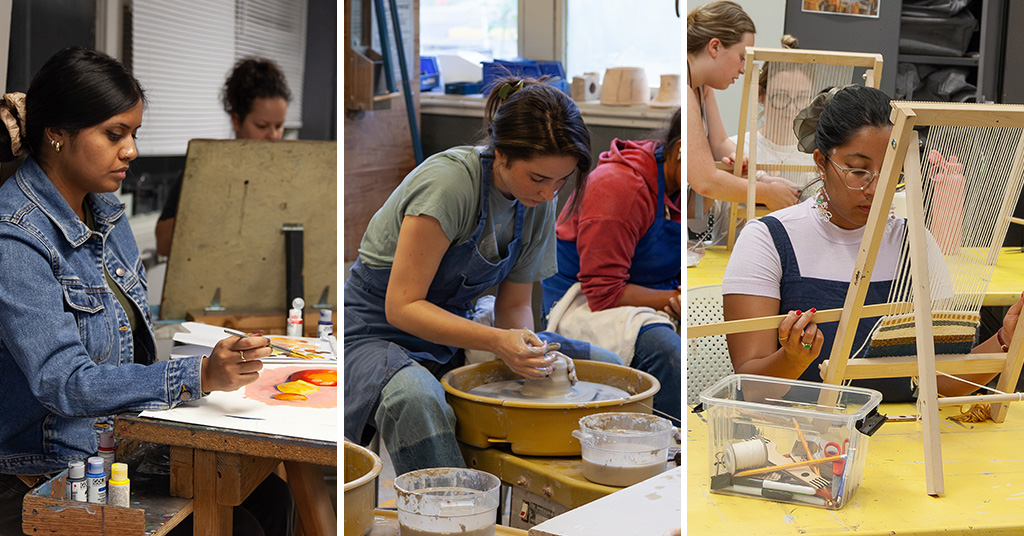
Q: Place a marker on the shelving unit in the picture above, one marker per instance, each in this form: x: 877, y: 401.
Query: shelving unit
x: 982, y: 57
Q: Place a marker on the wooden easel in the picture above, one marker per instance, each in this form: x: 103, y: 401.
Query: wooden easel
x: 748, y: 115
x: 235, y: 197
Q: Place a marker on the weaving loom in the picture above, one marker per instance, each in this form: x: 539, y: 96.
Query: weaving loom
x: 959, y: 203
x: 795, y: 77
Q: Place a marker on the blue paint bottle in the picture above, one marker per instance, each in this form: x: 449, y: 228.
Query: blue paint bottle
x: 97, y: 481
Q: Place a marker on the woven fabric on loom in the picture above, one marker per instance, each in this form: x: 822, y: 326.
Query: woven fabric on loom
x: 896, y: 335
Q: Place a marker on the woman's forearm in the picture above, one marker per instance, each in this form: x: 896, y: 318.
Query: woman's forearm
x: 432, y: 323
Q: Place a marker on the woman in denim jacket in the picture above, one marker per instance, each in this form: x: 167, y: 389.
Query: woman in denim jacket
x: 76, y: 337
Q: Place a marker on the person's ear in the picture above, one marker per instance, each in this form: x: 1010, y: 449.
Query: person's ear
x: 714, y: 46
x: 819, y: 160
x: 236, y: 122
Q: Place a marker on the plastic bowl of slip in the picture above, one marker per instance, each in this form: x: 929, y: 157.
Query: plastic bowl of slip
x: 447, y: 501
x: 621, y: 449
x: 540, y: 426
x: 361, y: 469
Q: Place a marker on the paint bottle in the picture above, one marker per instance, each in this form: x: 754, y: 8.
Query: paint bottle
x: 97, y: 481
x: 118, y: 492
x: 295, y: 318
x: 325, y: 327
x: 106, y: 451
x: 75, y: 485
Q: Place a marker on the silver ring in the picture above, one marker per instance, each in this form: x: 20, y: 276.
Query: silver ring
x: 242, y: 355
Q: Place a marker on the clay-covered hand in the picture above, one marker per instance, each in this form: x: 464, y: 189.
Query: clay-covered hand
x: 778, y: 196
x: 1011, y: 318
x: 523, y: 352
x: 234, y: 362
x: 799, y: 336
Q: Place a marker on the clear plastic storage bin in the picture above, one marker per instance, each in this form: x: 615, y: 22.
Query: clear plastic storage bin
x: 788, y: 440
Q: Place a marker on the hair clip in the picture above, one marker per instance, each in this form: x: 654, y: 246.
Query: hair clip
x: 508, y: 89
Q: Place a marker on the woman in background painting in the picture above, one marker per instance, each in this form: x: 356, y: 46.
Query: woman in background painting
x: 77, y: 347
x: 256, y: 97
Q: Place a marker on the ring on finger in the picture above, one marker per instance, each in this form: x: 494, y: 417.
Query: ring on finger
x: 807, y: 346
x: 784, y: 339
x: 241, y: 354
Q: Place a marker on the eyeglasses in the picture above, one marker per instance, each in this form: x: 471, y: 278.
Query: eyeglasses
x: 781, y: 101
x: 855, y: 178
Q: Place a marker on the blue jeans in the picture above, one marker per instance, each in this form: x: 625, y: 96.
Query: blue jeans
x: 658, y: 352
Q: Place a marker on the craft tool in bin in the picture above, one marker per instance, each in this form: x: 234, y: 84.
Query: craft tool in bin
x: 788, y: 440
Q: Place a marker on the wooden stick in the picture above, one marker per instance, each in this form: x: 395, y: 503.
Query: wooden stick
x: 783, y: 467
x: 807, y: 449
x: 981, y: 399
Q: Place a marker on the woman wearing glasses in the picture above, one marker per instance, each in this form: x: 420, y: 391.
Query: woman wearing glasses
x: 783, y: 90
x: 717, y: 35
x: 801, y: 259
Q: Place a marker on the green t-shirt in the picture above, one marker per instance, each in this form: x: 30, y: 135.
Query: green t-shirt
x: 446, y: 187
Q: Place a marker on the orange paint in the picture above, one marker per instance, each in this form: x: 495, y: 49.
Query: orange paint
x: 318, y: 377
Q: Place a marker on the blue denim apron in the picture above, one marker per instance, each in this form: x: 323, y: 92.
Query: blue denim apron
x: 375, y: 350
x: 657, y: 260
x: 798, y: 293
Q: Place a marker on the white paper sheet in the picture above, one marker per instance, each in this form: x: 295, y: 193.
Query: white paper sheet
x: 251, y: 408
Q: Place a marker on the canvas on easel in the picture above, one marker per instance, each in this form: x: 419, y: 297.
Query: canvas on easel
x: 794, y: 78
x: 236, y: 196
x: 960, y: 198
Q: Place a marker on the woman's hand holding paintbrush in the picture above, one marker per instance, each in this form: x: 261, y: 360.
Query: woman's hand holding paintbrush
x: 234, y: 362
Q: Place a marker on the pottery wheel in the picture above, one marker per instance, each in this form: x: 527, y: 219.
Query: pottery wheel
x: 581, y: 392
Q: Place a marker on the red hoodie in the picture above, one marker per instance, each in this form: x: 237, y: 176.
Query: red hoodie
x: 617, y: 210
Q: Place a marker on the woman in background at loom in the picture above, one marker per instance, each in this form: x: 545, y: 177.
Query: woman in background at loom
x: 465, y: 220
x: 77, y: 344
x: 717, y: 35
x: 619, y: 260
x: 256, y: 97
x: 783, y: 89
x: 801, y: 259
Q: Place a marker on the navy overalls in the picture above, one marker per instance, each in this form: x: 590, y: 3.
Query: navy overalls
x: 798, y: 293
x: 375, y: 350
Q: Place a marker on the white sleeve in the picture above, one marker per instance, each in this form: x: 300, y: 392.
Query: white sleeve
x: 754, y: 267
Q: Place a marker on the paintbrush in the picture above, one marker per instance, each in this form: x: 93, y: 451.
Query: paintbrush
x: 288, y: 351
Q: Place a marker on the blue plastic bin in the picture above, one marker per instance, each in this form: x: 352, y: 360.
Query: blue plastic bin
x: 430, y: 73
x: 498, y: 69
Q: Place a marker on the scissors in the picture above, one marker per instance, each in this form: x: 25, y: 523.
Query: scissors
x: 833, y: 449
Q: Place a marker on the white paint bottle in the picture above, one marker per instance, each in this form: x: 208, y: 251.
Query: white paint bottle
x: 118, y: 489
x: 325, y: 327
x: 97, y: 481
x: 106, y: 451
x: 75, y: 484
x: 294, y: 328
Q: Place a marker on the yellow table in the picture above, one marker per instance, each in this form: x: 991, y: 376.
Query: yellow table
x: 1005, y: 288
x: 983, y: 468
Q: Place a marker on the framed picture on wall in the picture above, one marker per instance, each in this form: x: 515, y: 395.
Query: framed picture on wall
x: 854, y: 8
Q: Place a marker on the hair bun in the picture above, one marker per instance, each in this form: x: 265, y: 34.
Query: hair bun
x: 12, y: 113
x: 805, y: 124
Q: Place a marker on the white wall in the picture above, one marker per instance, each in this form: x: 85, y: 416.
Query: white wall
x: 769, y: 17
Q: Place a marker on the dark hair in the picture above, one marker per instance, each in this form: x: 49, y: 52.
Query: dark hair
x: 672, y: 132
x: 251, y: 79
x: 723, y: 20
x: 530, y: 118
x: 76, y: 88
x: 851, y: 109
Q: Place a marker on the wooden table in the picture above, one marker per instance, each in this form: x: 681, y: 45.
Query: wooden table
x: 1005, y: 288
x: 218, y: 468
x: 983, y: 472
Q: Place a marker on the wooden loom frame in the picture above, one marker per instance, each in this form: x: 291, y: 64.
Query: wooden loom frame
x: 748, y: 115
x: 906, y: 116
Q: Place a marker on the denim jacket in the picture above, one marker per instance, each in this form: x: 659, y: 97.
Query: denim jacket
x: 68, y: 361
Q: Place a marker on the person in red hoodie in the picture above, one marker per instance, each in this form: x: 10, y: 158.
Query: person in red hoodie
x: 620, y: 261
